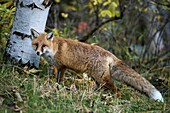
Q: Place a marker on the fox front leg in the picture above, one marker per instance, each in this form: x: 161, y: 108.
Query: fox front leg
x: 58, y: 70
x: 60, y: 74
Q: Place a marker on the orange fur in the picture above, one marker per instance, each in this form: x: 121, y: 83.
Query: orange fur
x: 97, y: 62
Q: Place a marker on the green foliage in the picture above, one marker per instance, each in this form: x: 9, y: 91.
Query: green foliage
x: 6, y: 19
x: 107, y: 7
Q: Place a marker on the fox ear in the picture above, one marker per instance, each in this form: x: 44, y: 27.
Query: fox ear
x: 50, y: 36
x: 34, y: 34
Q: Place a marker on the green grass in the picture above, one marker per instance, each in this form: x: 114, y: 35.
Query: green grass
x: 41, y: 94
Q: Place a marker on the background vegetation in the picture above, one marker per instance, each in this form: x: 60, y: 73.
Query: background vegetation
x: 123, y: 27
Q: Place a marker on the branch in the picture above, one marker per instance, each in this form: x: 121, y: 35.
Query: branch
x: 87, y: 36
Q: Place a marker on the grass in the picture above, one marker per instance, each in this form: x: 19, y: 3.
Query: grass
x: 39, y: 93
x: 31, y: 91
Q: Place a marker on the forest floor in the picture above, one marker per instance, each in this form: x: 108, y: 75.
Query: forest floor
x: 36, y: 91
x: 28, y: 90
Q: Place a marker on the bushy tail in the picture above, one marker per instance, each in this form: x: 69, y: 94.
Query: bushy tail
x: 124, y: 73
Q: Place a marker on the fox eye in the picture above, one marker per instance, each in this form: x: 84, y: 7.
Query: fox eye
x: 44, y: 46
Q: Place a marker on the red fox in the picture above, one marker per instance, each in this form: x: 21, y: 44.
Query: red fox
x: 98, y: 63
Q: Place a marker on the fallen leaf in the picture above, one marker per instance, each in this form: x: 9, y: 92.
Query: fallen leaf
x: 33, y: 70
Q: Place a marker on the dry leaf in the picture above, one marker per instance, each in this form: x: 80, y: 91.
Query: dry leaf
x: 33, y: 71
x: 18, y: 96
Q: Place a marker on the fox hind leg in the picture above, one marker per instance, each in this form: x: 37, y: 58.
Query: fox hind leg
x: 105, y: 81
x: 111, y: 85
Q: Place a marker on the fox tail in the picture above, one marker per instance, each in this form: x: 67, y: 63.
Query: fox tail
x: 124, y: 73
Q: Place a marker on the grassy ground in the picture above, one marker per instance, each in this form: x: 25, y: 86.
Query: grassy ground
x: 35, y: 91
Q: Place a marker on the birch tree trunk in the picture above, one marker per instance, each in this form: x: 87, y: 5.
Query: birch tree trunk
x: 29, y: 14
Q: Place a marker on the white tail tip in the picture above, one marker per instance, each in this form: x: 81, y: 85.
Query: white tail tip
x: 156, y: 95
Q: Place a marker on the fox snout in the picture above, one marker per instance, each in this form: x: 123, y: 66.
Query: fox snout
x: 39, y: 53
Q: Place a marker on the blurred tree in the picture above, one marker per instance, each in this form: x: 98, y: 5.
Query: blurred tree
x: 141, y: 25
x: 29, y: 14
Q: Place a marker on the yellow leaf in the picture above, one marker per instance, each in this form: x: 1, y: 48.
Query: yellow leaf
x: 56, y: 32
x: 95, y: 2
x: 57, y: 1
x: 106, y: 12
x: 107, y: 2
x: 112, y: 9
x: 100, y: 1
x: 117, y: 13
x: 114, y: 4
x: 65, y: 15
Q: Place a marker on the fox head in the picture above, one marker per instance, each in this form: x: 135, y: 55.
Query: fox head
x: 42, y: 43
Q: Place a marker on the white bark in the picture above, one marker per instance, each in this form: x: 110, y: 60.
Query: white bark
x: 29, y: 14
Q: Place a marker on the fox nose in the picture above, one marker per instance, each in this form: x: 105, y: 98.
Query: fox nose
x: 38, y: 53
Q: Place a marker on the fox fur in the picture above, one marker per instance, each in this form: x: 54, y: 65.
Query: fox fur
x: 98, y: 63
